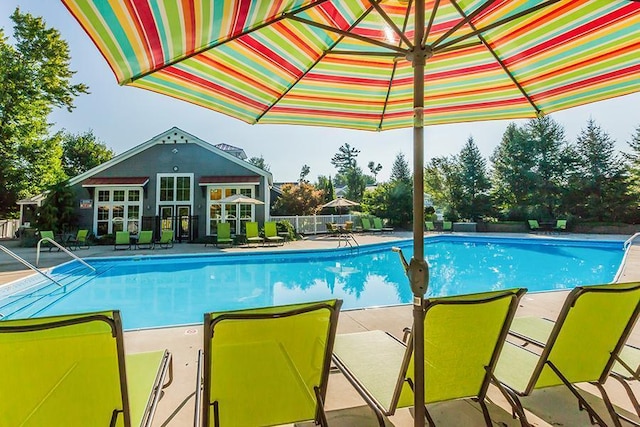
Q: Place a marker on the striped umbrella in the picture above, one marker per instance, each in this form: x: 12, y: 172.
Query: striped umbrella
x: 373, y: 65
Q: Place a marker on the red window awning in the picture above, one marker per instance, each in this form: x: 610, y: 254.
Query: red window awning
x: 130, y: 181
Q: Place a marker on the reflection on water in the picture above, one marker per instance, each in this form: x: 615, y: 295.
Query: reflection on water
x: 156, y: 291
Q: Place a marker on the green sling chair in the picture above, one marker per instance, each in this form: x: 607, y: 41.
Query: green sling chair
x: 123, y: 240
x: 79, y: 241
x: 252, y: 233
x: 463, y: 338
x: 266, y: 366
x: 271, y: 233
x: 223, y: 234
x: 429, y: 225
x: 48, y: 234
x: 583, y: 345
x: 166, y: 239
x: 145, y: 240
x: 72, y: 370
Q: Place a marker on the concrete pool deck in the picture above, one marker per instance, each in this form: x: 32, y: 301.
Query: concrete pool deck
x: 345, y: 406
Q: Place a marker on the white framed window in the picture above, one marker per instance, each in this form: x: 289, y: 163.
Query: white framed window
x: 174, y: 189
x: 236, y: 215
x: 117, y: 209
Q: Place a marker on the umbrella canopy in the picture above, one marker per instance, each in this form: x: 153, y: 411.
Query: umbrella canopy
x: 240, y: 199
x: 361, y: 64
x: 348, y: 63
x: 340, y: 202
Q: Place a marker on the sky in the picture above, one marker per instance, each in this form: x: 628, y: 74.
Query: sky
x: 124, y: 117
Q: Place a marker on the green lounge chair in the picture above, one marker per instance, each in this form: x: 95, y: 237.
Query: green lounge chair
x: 145, y: 240
x: 123, y: 240
x: 166, y: 239
x: 459, y: 354
x: 583, y: 346
x: 252, y: 233
x: 266, y: 366
x: 271, y: 233
x: 366, y: 226
x: 72, y: 370
x: 447, y: 226
x: 377, y: 224
x: 533, y: 225
x: 47, y: 234
x: 223, y: 234
x: 430, y: 226
x: 79, y: 241
x: 537, y: 330
x: 561, y: 225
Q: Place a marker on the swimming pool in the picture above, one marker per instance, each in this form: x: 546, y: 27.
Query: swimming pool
x: 154, y: 291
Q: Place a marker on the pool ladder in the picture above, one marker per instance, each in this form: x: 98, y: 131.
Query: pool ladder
x: 28, y: 264
x: 59, y: 246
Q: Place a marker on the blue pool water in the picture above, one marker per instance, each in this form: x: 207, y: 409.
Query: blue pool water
x: 153, y: 291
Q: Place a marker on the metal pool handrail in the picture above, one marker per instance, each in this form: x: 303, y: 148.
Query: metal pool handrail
x: 625, y: 247
x: 28, y: 264
x: 630, y: 240
x: 72, y: 255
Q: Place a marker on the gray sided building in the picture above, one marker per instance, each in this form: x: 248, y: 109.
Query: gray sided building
x: 173, y: 181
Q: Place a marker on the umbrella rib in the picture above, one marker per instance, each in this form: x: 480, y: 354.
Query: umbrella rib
x: 388, y: 20
x: 329, y: 49
x: 467, y: 19
x: 441, y: 47
x: 362, y: 53
x: 432, y: 18
x: 347, y: 34
x: 499, y: 61
x: 395, y: 67
x: 216, y: 44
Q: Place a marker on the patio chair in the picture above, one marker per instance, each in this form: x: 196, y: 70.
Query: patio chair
x: 271, y: 233
x: 561, y: 225
x: 583, y: 346
x: 145, y: 240
x: 72, y: 370
x: 266, y: 366
x: 223, y: 234
x: 536, y: 331
x: 366, y: 226
x: 47, y: 234
x: 533, y: 225
x: 447, y: 226
x: 463, y: 338
x: 377, y: 224
x: 166, y: 239
x: 79, y: 241
x: 430, y: 226
x: 123, y: 240
x: 252, y: 233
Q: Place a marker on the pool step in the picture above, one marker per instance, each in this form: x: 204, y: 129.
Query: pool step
x: 38, y: 298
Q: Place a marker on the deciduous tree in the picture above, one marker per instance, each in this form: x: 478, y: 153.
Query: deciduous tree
x: 83, y: 151
x: 35, y: 78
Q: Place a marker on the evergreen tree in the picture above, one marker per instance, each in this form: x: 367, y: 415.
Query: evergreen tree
x: 546, y: 142
x: 633, y: 162
x: 474, y: 182
x: 304, y: 172
x: 512, y: 177
x: 597, y: 176
x: 57, y: 213
x: 326, y: 185
x: 400, y: 170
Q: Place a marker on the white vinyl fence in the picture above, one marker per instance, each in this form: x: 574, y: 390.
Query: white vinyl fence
x: 8, y: 228
x: 313, y: 224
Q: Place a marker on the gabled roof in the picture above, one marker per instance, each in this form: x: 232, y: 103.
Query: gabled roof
x: 171, y: 136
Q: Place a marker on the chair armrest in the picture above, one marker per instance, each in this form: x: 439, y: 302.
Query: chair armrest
x: 406, y: 333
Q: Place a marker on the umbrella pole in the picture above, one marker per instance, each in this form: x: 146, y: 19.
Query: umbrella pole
x: 418, y: 272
